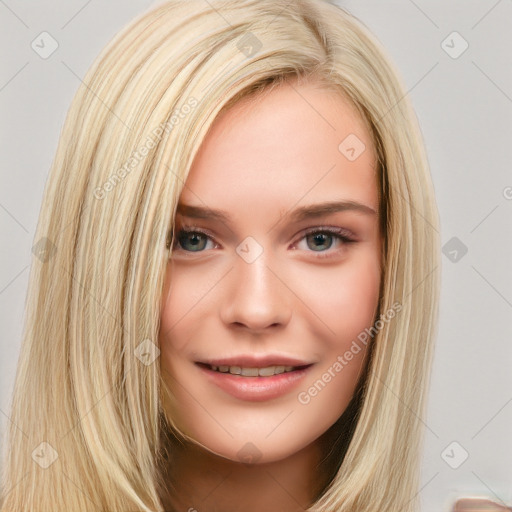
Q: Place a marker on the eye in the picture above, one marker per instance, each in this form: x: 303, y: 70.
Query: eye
x: 191, y: 240
x: 321, y: 239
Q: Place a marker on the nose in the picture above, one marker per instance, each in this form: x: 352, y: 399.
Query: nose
x: 257, y: 296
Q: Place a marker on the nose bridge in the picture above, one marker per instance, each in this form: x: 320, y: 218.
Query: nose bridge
x: 255, y: 273
x: 259, y: 298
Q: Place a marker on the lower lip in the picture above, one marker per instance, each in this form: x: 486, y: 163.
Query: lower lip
x: 256, y: 389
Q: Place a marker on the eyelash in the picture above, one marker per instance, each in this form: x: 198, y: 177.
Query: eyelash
x: 339, y: 233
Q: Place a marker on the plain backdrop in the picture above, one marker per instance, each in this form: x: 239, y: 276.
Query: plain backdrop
x: 455, y: 59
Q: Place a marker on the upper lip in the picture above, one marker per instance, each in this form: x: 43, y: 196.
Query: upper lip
x: 253, y: 361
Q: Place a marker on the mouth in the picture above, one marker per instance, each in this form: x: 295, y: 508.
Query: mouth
x: 241, y: 371
x: 255, y: 384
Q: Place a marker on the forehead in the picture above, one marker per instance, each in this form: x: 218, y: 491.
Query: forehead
x: 293, y: 142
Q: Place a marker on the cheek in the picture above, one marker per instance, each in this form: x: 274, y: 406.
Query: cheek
x: 182, y: 304
x: 346, y: 302
x: 344, y: 299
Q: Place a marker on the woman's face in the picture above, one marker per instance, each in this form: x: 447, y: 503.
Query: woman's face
x: 276, y: 277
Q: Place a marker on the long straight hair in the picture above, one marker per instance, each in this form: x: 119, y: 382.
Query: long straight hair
x: 86, y: 422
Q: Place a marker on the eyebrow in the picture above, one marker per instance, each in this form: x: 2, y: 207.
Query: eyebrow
x: 297, y: 215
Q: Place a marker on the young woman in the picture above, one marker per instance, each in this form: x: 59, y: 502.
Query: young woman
x: 233, y: 298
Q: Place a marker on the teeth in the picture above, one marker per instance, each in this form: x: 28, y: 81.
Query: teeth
x: 253, y: 372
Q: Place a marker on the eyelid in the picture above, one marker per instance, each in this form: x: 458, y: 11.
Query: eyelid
x: 302, y: 233
x: 334, y: 230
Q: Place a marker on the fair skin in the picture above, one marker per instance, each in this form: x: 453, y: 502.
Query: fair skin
x: 306, y: 295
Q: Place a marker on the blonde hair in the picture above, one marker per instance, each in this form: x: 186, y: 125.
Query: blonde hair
x: 95, y: 289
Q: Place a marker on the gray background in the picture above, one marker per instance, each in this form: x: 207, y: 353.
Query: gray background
x: 464, y: 105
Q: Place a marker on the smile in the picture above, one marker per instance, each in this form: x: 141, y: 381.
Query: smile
x: 267, y: 371
x: 255, y: 387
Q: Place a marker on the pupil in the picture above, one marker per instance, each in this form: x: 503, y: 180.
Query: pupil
x: 194, y: 239
x: 320, y: 237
